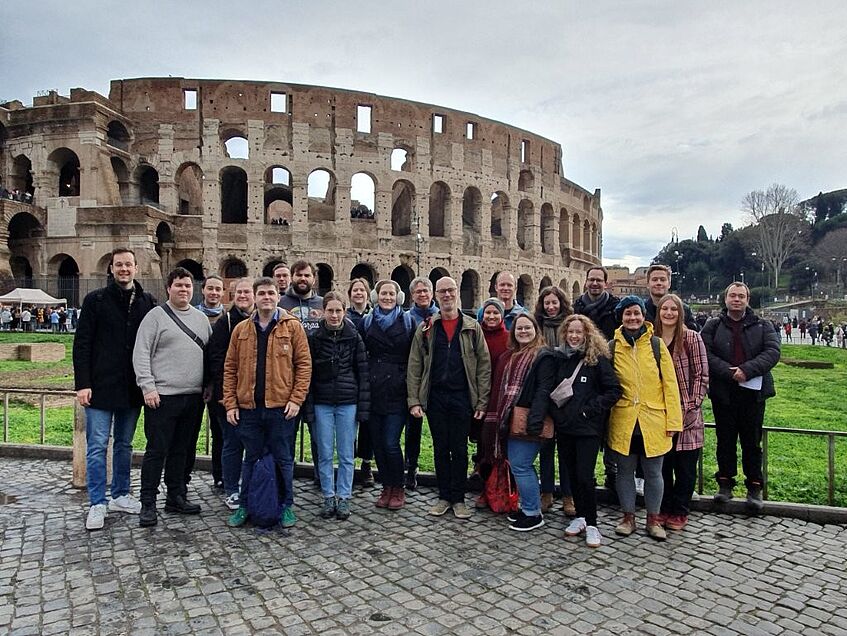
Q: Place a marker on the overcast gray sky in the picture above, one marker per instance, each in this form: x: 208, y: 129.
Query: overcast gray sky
x: 674, y: 109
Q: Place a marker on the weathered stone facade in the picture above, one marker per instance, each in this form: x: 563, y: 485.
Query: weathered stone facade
x: 154, y: 167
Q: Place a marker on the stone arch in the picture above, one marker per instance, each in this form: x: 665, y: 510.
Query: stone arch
x: 279, y: 197
x: 325, y: 277
x: 320, y: 190
x: 22, y: 227
x: 104, y: 265
x: 366, y: 271
x: 20, y: 177
x: 564, y: 230
x: 233, y: 195
x: 66, y: 270
x: 500, y: 210
x: 576, y: 232
x: 436, y: 273
x: 469, y: 289
x: 492, y: 285
x: 148, y: 184
x: 525, y: 208
x: 545, y: 282
x: 194, y: 267
x: 189, y: 187
x: 65, y: 164
x: 117, y: 135
x: 121, y: 174
x: 164, y: 238
x: 563, y: 284
x: 232, y: 268
x: 439, y: 202
x: 524, y: 292
x: 402, y: 207
x: 526, y: 180
x: 403, y: 275
x: 595, y: 239
x: 235, y: 144
x: 268, y: 269
x: 586, y: 236
x: 577, y: 290
x: 548, y: 229
x: 401, y: 159
x: 362, y: 195
x: 21, y: 271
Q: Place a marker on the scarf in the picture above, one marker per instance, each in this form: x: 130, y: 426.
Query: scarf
x: 569, y: 351
x: 516, y: 371
x: 590, y: 306
x: 550, y: 328
x: 383, y: 319
x: 210, y: 311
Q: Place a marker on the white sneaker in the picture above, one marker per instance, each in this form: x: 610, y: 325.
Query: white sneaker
x: 639, y: 486
x: 576, y: 527
x: 125, y: 503
x: 233, y: 502
x: 593, y: 538
x: 96, y: 517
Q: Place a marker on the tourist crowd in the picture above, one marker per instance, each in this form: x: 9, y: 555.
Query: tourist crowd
x: 38, y: 318
x: 567, y: 381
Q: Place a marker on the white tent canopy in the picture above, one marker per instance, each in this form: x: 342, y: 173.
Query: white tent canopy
x: 24, y: 296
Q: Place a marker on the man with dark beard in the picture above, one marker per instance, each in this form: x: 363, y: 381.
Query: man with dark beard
x: 300, y: 300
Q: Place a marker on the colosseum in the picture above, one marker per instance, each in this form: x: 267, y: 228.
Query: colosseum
x: 232, y: 177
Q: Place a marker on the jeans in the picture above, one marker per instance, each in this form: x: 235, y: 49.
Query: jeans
x: 232, y: 451
x: 266, y: 430
x: 385, y: 438
x: 449, y: 415
x: 98, y: 425
x: 548, y: 469
x: 654, y: 485
x: 335, y: 430
x: 414, y: 429
x: 579, y: 455
x: 215, y: 426
x: 169, y: 430
x: 679, y: 471
x: 522, y: 454
x: 739, y: 420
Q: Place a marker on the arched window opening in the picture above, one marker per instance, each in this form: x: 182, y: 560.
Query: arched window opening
x: 364, y: 270
x: 548, y: 229
x: 403, y: 275
x: 189, y: 186
x: 194, y: 267
x: 577, y: 290
x: 21, y: 271
x: 401, y: 160
x: 586, y: 237
x: 321, y: 192
x: 277, y: 175
x: 525, y: 181
x: 362, y: 196
x: 499, y: 213
x: 492, y: 285
x: 471, y: 207
x: 148, y: 186
x: 233, y: 195
x: 524, y: 290
x: 164, y: 237
x: 402, y: 207
x: 279, y: 197
x: 437, y: 273
x: 121, y: 174
x: 564, y: 230
x: 237, y: 147
x: 117, y: 135
x: 575, y: 236
x: 469, y: 289
x: 24, y: 226
x: 268, y: 269
x: 21, y: 176
x: 439, y: 199
x: 69, y: 176
x: 69, y: 280
x: 233, y: 268
x: 524, y: 223
x: 325, y: 278
x: 545, y: 282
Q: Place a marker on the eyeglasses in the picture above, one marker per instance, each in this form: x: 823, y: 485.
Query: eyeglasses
x: 422, y: 290
x: 446, y: 290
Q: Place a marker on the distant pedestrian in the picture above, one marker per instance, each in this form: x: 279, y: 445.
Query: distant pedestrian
x: 26, y: 320
x: 813, y: 332
x: 54, y: 321
x: 802, y: 327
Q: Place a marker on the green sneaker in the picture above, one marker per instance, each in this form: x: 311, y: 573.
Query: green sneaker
x: 288, y: 519
x: 237, y: 518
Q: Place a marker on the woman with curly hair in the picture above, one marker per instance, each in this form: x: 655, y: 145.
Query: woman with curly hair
x: 580, y: 420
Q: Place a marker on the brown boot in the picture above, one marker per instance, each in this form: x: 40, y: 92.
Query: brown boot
x: 546, y: 501
x: 397, y: 499
x: 627, y: 525
x: 655, y: 529
x: 568, y: 506
x: 384, y: 498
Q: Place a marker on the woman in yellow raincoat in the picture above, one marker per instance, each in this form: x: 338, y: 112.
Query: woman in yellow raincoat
x: 642, y: 423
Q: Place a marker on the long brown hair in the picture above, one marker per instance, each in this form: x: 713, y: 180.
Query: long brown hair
x: 680, y: 317
x: 538, y: 341
x: 595, y: 341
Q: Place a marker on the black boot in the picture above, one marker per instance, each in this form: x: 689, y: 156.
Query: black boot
x: 148, y: 516
x: 181, y: 505
x: 412, y: 478
x: 754, y: 498
x: 367, y: 475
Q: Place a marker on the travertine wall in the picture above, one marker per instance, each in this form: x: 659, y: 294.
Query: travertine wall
x: 156, y: 175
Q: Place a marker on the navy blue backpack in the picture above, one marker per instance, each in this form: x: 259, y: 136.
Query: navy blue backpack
x: 264, y: 505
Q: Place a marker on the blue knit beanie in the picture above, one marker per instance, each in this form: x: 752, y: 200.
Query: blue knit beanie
x: 628, y: 301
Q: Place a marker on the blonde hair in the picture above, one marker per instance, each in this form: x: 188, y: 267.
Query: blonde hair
x: 595, y: 342
x: 680, y: 317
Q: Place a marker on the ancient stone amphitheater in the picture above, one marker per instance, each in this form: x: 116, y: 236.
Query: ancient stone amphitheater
x: 232, y: 177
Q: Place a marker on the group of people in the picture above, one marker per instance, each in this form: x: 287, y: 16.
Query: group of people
x: 17, y: 195
x: 32, y: 318
x: 626, y: 376
x: 816, y: 329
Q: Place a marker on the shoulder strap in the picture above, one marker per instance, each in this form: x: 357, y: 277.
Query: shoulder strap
x: 657, y: 352
x: 184, y: 327
x: 612, y: 351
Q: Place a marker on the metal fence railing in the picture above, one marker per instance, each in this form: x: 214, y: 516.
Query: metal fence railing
x: 767, y: 431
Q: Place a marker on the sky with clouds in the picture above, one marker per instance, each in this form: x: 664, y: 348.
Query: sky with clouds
x: 674, y: 109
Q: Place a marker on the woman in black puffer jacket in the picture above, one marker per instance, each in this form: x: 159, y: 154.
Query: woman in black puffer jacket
x: 339, y: 397
x: 581, y: 420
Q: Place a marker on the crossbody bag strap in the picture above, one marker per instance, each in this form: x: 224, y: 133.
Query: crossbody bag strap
x: 184, y: 327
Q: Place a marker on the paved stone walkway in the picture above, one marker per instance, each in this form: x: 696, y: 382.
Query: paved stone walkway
x: 400, y: 573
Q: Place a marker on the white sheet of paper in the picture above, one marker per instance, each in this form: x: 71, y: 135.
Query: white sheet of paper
x: 752, y: 383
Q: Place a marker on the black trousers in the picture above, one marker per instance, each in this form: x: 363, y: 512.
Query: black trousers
x: 191, y: 453
x: 579, y: 455
x: 414, y: 430
x: 449, y: 415
x: 364, y: 446
x: 313, y: 446
x: 679, y: 472
x: 169, y: 430
x: 739, y: 419
x: 215, y: 425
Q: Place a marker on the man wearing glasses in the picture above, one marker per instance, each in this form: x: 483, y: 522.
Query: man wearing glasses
x: 449, y: 378
x: 597, y: 303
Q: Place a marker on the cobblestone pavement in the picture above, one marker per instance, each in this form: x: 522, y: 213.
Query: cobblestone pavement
x: 400, y: 573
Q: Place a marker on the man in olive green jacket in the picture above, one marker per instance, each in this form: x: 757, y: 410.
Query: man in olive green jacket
x: 449, y: 378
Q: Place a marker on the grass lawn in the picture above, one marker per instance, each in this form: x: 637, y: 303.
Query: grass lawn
x: 797, y: 465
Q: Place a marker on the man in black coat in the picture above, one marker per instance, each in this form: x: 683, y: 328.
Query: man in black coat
x: 597, y: 303
x: 742, y: 350
x: 105, y: 383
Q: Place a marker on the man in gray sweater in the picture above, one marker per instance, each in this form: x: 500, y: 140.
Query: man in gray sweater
x: 168, y: 362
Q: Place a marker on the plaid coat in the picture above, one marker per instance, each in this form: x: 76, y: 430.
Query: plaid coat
x: 692, y: 375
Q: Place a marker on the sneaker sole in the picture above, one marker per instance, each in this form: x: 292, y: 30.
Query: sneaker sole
x: 593, y: 545
x: 438, y: 513
x: 129, y: 511
x: 94, y: 527
x: 148, y: 524
x: 538, y: 525
x: 574, y: 534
